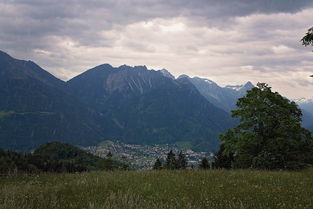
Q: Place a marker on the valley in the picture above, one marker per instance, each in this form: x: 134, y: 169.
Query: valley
x: 144, y: 156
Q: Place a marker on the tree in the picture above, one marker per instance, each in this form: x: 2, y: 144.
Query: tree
x: 308, y: 38
x: 157, y: 165
x: 170, y: 160
x: 221, y: 160
x: 109, y: 155
x: 204, y: 164
x: 269, y: 135
x: 181, y: 161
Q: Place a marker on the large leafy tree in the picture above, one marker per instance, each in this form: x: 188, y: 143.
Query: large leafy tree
x: 269, y: 135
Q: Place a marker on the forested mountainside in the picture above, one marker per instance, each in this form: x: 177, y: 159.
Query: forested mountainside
x: 35, y: 107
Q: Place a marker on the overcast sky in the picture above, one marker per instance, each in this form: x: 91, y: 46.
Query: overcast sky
x: 227, y: 41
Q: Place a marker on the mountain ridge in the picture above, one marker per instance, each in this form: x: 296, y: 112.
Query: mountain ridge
x: 130, y: 104
x: 142, y: 93
x: 36, y: 107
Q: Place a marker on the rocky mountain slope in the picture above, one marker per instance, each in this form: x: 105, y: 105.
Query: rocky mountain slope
x: 145, y: 106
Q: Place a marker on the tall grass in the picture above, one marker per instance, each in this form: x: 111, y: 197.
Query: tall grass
x: 239, y: 189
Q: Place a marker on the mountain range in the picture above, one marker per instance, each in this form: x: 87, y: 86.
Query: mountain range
x: 306, y: 106
x: 130, y: 104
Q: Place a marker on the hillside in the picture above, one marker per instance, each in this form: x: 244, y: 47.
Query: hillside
x: 55, y: 157
x: 35, y: 108
x: 69, y: 153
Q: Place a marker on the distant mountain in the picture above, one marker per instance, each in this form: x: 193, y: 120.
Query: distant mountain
x: 130, y: 104
x: 306, y: 104
x: 150, y: 107
x: 36, y: 107
x: 307, y: 110
x: 224, y: 98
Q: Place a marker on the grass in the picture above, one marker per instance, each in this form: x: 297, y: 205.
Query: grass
x: 160, y: 189
x: 4, y: 114
x: 104, y: 143
x: 183, y: 144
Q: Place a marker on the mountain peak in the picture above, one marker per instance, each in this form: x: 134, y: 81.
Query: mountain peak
x: 4, y: 55
x: 248, y: 85
x: 207, y: 81
x: 183, y: 76
x: 234, y: 87
x: 98, y: 69
x: 303, y: 100
x: 166, y: 74
x: 244, y: 87
x: 138, y: 67
x: 103, y: 67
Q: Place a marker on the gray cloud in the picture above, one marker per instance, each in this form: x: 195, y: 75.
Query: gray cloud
x: 250, y: 39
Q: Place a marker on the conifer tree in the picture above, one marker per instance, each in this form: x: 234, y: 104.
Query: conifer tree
x: 109, y: 155
x: 157, y: 165
x: 170, y: 161
x: 221, y: 160
x: 204, y: 164
x: 181, y: 161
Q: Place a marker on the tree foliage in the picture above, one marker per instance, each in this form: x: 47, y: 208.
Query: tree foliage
x: 269, y: 135
x: 204, y: 164
x: 181, y: 161
x: 55, y: 157
x: 308, y: 38
x: 221, y: 160
x: 157, y: 165
x: 172, y: 163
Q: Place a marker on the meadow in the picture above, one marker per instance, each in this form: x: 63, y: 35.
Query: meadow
x: 220, y: 189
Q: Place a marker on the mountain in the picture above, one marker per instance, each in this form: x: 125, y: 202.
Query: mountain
x: 224, y: 98
x: 36, y: 107
x: 131, y: 104
x: 306, y: 106
x: 141, y: 106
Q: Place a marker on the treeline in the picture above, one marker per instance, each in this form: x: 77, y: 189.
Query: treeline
x: 178, y: 163
x: 55, y: 157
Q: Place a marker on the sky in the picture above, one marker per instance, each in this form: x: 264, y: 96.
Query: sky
x: 228, y: 41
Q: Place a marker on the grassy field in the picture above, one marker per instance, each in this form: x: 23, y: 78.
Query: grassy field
x: 160, y: 189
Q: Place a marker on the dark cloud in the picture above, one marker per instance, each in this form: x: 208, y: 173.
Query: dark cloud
x: 67, y: 37
x: 27, y: 20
